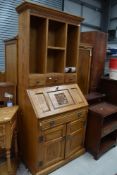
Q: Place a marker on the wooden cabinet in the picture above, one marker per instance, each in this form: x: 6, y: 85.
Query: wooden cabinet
x: 59, y: 121
x: 98, y: 40
x: 52, y: 114
x: 101, y: 132
x: 84, y: 67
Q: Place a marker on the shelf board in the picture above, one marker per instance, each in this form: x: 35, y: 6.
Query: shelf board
x: 106, y: 144
x: 109, y: 127
x: 56, y: 48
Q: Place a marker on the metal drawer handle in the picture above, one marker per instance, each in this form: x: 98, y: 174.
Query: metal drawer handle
x: 52, y: 123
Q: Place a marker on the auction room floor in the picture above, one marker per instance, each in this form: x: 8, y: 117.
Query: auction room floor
x: 85, y: 165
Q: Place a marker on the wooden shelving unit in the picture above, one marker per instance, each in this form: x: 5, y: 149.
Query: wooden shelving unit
x: 101, y: 132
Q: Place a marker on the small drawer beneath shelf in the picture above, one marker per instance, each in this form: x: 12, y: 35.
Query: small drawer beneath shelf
x: 36, y: 80
x: 70, y: 78
x: 62, y: 119
x: 54, y: 79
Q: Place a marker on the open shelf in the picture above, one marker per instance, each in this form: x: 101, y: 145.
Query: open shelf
x: 56, y: 48
x: 38, y: 30
x: 55, y: 61
x: 72, y: 46
x: 109, y: 125
x: 56, y: 34
x: 108, y: 141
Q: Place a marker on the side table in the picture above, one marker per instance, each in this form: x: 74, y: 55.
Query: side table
x: 8, y: 117
x: 101, y: 133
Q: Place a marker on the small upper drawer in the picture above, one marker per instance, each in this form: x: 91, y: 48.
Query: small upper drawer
x: 70, y: 78
x: 36, y: 80
x: 54, y: 79
x: 62, y: 119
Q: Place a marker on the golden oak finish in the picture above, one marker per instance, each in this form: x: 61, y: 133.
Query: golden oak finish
x: 7, y: 128
x: 44, y: 52
x: 11, y: 56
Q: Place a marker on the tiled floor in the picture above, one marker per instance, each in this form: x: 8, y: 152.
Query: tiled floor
x: 86, y: 165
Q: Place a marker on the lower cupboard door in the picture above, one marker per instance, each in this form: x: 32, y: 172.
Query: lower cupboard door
x: 75, y: 138
x: 52, y: 149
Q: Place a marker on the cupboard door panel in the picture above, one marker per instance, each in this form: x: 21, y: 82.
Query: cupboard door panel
x: 52, y: 148
x: 84, y: 65
x: 75, y: 137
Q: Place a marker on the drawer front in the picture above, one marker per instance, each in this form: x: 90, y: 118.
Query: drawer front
x: 36, y: 80
x: 54, y: 79
x: 70, y: 78
x: 75, y: 125
x: 55, y: 121
x: 2, y: 130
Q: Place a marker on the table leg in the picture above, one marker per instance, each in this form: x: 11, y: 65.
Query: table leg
x: 8, y: 160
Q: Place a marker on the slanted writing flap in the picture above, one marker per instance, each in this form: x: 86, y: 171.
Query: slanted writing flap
x: 57, y: 99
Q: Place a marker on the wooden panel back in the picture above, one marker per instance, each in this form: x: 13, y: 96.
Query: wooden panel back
x: 11, y: 59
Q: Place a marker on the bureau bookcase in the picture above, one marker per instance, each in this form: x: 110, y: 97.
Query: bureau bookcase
x: 52, y: 108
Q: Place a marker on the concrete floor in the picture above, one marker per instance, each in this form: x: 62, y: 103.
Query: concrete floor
x: 85, y: 165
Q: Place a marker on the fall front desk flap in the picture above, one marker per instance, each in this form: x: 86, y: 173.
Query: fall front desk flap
x: 57, y: 99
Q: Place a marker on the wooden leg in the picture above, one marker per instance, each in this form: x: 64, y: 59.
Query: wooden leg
x: 16, y: 146
x: 8, y: 160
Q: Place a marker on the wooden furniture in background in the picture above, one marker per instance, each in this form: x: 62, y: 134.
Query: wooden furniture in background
x: 101, y: 132
x: 7, y: 130
x: 84, y: 66
x: 98, y: 40
x: 52, y: 118
x: 95, y: 97
x: 2, y: 77
x: 9, y: 88
x: 11, y: 56
x: 109, y: 87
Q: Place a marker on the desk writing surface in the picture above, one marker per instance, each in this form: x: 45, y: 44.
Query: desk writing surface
x: 49, y: 101
x: 6, y: 113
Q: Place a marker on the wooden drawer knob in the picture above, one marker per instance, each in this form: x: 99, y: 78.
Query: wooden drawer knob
x: 79, y: 114
x: 52, y: 123
x: 37, y: 82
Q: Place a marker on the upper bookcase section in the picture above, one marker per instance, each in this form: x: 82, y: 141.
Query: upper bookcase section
x: 48, y: 41
x: 48, y: 12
